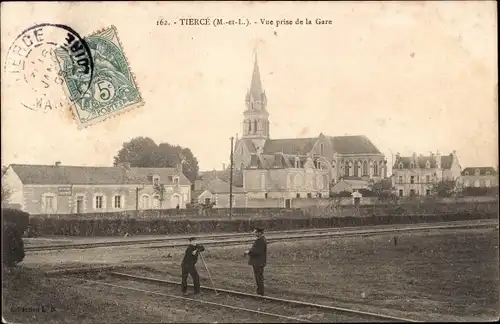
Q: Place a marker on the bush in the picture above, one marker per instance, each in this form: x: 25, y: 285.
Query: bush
x: 13, y: 246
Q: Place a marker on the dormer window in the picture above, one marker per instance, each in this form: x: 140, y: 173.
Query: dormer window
x: 297, y: 163
x: 156, y: 180
x: 477, y: 172
x: 176, y: 180
x: 412, y: 165
x: 427, y: 164
x: 466, y: 172
x: 488, y: 173
x: 400, y: 165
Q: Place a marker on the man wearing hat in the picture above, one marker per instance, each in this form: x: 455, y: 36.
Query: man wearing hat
x: 257, y: 259
x: 189, y: 265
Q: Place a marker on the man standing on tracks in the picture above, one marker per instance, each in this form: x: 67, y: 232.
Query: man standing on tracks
x: 257, y: 259
x: 189, y: 265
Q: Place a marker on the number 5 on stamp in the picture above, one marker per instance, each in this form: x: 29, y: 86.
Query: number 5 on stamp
x: 112, y: 90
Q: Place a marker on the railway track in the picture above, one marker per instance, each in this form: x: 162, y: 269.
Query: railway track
x: 284, y: 310
x: 274, y: 236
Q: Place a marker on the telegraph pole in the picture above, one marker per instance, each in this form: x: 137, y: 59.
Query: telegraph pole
x: 231, y: 182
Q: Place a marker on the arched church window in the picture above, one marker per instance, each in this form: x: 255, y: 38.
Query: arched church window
x: 375, y: 168
x: 365, y: 168
x: 249, y: 126
x: 255, y: 126
x: 346, y: 169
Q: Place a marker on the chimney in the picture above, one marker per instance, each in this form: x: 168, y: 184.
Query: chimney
x: 179, y: 167
x: 438, y: 160
x: 58, y: 163
x: 125, y: 165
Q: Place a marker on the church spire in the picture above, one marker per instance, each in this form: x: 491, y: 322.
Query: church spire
x: 256, y: 84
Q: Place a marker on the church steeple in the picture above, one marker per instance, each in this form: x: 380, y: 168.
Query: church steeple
x: 256, y: 123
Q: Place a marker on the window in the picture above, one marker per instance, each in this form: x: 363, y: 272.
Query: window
x: 117, y: 202
x: 298, y: 195
x: 309, y: 195
x: 49, y: 203
x: 412, y: 192
x: 321, y: 149
x: 145, y: 202
x: 466, y: 172
x: 176, y: 181
x: 346, y: 169
x: 297, y: 163
x: 427, y: 164
x: 412, y: 166
x: 488, y: 173
x: 400, y: 179
x: 156, y: 201
x: 365, y: 168
x: 427, y: 192
x: 487, y: 183
x: 400, y: 192
x: 476, y: 183
x: 318, y: 165
x: 412, y: 179
x: 255, y: 126
x: 477, y: 172
x: 375, y: 168
x: 156, y: 180
x: 400, y: 165
x: 356, y: 169
x: 427, y: 178
x: 207, y: 201
x: 319, y: 195
x: 98, y: 203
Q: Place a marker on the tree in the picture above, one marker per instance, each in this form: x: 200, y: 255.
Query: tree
x: 445, y: 188
x: 6, y: 193
x: 144, y: 152
x: 160, y: 191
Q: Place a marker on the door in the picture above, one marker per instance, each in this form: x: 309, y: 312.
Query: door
x: 79, y: 205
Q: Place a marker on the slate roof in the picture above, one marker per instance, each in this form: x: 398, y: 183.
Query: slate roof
x: 482, y: 171
x: 289, y: 145
x: 275, y: 161
x: 249, y: 145
x: 421, y: 160
x: 224, y: 175
x: 218, y: 186
x: 83, y: 175
x: 353, y: 145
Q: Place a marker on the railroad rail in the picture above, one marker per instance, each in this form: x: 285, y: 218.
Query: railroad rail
x: 295, y: 303
x: 206, y: 302
x: 273, y: 236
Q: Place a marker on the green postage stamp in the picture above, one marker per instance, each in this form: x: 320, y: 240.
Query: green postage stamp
x: 109, y: 90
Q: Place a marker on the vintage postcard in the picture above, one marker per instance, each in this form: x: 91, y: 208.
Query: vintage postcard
x: 252, y: 161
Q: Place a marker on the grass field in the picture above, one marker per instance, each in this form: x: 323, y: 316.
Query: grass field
x: 452, y: 274
x: 441, y: 275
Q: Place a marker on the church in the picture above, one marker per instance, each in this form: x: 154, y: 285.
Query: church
x: 298, y: 167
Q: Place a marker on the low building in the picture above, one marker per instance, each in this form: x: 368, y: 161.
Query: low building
x: 60, y: 189
x: 285, y: 177
x: 350, y: 184
x: 217, y: 192
x: 415, y: 175
x: 479, y: 177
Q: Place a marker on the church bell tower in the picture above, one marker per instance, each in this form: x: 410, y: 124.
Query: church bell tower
x: 255, y: 116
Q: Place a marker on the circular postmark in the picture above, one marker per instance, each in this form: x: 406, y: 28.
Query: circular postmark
x: 32, y: 66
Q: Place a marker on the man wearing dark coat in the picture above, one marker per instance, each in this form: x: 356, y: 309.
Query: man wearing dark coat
x: 258, y: 258
x: 189, y: 266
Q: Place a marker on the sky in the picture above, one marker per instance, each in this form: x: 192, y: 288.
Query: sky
x: 411, y: 76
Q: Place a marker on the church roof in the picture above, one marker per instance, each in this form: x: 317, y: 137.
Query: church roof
x: 353, y: 145
x: 256, y: 84
x: 290, y: 145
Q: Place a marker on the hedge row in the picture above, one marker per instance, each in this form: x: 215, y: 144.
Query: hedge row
x: 116, y: 227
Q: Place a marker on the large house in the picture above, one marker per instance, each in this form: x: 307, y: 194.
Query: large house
x: 479, y: 177
x: 415, y: 175
x: 60, y: 189
x: 274, y: 166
